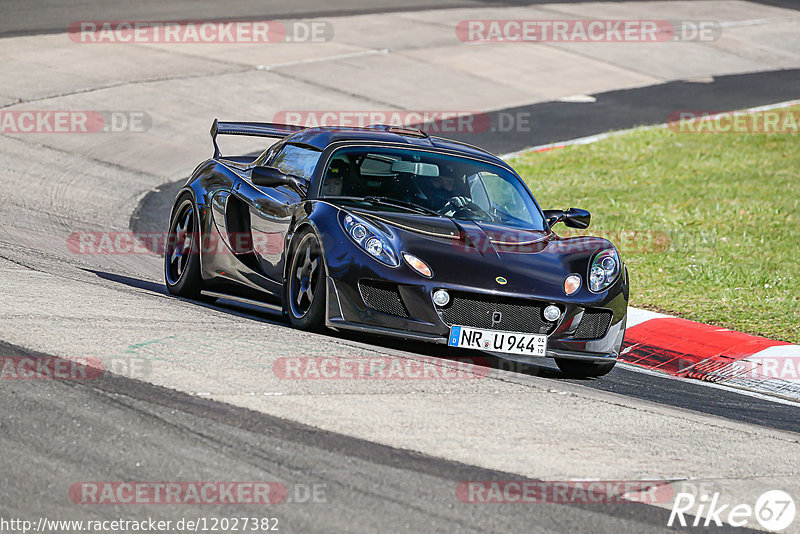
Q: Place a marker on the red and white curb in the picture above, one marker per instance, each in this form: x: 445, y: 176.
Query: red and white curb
x: 687, y: 349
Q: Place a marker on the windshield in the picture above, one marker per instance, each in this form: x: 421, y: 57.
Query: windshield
x: 450, y: 186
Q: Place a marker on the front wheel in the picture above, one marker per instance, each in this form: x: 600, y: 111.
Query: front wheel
x: 581, y: 369
x: 305, y: 287
x: 182, y: 254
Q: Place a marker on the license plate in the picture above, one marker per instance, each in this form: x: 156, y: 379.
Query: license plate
x: 497, y: 341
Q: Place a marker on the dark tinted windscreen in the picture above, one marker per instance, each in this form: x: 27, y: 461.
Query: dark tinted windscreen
x: 451, y: 186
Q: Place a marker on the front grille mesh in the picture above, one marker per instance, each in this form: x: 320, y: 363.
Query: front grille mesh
x: 593, y: 325
x: 382, y: 297
x: 478, y: 311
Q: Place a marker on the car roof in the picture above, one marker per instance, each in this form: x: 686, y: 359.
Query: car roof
x: 322, y: 137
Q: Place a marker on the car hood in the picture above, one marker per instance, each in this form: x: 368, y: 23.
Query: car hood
x: 482, y: 255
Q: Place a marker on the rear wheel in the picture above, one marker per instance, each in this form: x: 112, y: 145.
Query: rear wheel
x: 305, y: 288
x: 581, y: 369
x: 182, y: 253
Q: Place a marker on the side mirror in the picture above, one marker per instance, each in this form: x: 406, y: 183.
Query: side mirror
x: 573, y: 217
x: 270, y: 177
x: 577, y: 218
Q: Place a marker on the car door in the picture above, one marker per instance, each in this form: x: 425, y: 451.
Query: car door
x: 270, y: 209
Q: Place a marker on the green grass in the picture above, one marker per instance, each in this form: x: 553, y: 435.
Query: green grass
x: 708, y: 224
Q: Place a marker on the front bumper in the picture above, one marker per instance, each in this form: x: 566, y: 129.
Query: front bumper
x: 421, y: 320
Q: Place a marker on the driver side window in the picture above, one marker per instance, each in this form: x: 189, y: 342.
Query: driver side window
x: 297, y: 160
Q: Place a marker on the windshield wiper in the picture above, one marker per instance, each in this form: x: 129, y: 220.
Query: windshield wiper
x: 394, y: 202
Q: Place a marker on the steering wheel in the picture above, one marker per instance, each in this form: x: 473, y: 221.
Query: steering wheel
x: 463, y: 205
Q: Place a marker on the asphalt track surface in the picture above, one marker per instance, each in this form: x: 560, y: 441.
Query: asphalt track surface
x: 24, y: 17
x: 117, y: 428
x: 355, y: 485
x: 617, y: 110
x: 39, y: 17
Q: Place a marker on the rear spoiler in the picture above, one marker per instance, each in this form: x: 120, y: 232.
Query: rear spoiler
x: 255, y: 129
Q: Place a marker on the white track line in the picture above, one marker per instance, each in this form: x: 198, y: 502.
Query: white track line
x: 599, y: 137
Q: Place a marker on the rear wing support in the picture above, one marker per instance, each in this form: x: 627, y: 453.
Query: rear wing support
x: 255, y: 129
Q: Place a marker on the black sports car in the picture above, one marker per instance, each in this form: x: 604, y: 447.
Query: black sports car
x: 394, y: 232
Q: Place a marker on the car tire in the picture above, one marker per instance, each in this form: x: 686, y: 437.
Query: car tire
x: 305, y: 295
x: 182, y: 251
x: 581, y: 369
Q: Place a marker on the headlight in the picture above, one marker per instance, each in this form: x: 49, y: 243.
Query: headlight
x: 604, y: 270
x: 374, y: 246
x: 358, y: 232
x: 370, y: 239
